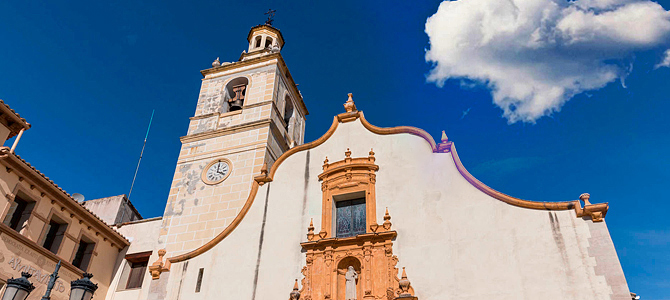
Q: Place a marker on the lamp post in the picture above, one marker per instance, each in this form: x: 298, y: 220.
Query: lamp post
x: 52, y: 281
x: 19, y: 288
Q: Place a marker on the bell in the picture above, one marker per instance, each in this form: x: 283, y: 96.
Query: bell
x: 237, y: 101
x: 235, y: 104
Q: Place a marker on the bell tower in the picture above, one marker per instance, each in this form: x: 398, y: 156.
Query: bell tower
x: 249, y: 112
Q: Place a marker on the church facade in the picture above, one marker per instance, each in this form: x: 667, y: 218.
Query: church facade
x: 363, y: 212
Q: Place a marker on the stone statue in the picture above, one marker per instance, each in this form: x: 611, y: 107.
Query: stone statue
x: 350, y: 285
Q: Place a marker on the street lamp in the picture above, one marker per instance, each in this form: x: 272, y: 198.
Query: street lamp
x: 19, y: 288
x: 82, y: 289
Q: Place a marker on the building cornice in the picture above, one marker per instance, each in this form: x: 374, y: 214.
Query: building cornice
x: 14, y: 163
x: 225, y: 131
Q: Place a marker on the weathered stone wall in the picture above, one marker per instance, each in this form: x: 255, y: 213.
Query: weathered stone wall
x: 113, y: 210
x: 196, y: 211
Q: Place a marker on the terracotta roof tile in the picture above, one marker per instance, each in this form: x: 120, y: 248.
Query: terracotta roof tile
x: 15, y: 113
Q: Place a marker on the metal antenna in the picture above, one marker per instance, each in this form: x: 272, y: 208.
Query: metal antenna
x: 141, y: 153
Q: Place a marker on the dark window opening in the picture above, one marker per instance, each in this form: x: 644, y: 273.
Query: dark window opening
x: 288, y: 112
x: 134, y: 272
x: 268, y: 42
x: 198, y: 284
x: 350, y: 217
x: 136, y: 275
x: 258, y: 41
x: 54, y: 236
x: 19, y: 213
x: 82, y: 257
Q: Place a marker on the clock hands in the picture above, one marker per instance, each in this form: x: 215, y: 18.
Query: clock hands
x: 218, y: 169
x: 216, y: 172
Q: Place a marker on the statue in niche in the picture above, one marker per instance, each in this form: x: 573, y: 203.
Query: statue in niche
x: 350, y: 285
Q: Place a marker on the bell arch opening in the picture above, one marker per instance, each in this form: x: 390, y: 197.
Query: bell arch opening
x: 235, y: 93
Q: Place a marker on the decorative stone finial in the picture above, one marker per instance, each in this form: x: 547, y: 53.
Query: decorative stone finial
x: 404, y: 284
x: 264, y: 169
x: 371, y: 155
x: 216, y: 62
x: 347, y: 153
x: 350, y: 106
x: 158, y: 266
x: 445, y: 145
x: 387, y: 220
x: 585, y: 197
x: 325, y: 163
x: 310, y: 230
x: 295, y: 294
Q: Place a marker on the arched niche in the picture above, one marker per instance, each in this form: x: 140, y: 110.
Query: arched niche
x: 234, y: 94
x: 288, y: 113
x: 342, y: 267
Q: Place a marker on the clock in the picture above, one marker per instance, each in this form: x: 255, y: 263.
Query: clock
x: 216, y: 171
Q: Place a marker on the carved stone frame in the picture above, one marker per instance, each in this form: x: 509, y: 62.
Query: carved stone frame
x: 346, y: 177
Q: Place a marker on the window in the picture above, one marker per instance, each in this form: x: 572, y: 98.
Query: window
x: 258, y: 41
x: 54, y: 236
x: 350, y: 217
x: 84, y: 253
x: 288, y: 112
x: 136, y: 275
x: 268, y: 42
x: 198, y: 283
x: 133, y: 272
x: 19, y: 213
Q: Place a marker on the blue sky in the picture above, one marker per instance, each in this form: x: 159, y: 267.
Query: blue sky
x: 87, y: 75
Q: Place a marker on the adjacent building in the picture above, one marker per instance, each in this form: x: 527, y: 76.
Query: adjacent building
x: 42, y: 224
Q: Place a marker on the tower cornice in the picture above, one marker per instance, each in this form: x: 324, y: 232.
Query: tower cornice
x: 268, y: 57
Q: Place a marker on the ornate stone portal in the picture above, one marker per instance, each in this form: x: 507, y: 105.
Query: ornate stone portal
x: 363, y: 264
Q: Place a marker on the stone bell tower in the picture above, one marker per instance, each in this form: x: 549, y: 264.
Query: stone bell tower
x: 249, y: 112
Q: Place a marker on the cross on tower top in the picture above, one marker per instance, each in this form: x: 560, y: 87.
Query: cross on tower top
x: 271, y: 15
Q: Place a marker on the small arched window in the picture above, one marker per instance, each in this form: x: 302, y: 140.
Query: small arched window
x: 235, y: 93
x: 288, y: 112
x: 268, y: 42
x: 258, y: 41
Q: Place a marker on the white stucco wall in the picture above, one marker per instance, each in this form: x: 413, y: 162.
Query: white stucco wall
x: 143, y: 236
x: 455, y: 241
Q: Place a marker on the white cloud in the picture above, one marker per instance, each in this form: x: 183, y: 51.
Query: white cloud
x: 666, y: 60
x: 535, y: 55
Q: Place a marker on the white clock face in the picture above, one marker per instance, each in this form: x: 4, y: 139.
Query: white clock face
x: 217, y: 171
